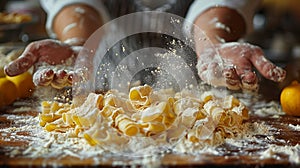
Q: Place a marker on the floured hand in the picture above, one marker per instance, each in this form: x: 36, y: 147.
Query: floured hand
x: 231, y: 65
x: 44, y: 56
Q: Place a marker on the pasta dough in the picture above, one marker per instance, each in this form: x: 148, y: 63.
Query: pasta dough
x: 115, y: 119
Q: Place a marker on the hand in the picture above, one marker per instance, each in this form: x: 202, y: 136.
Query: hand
x: 43, y: 55
x: 231, y: 65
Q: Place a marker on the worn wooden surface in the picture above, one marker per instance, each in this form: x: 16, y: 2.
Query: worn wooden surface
x: 228, y: 156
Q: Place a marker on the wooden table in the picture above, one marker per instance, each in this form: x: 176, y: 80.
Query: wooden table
x: 229, y: 156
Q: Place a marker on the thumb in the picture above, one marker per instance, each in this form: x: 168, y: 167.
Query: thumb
x: 24, y: 62
x: 20, y: 65
x: 266, y: 67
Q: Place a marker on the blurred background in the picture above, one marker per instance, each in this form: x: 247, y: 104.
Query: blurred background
x: 26, y: 31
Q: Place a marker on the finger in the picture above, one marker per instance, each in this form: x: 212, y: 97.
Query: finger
x: 20, y: 65
x: 232, y: 79
x: 248, y: 78
x: 245, y: 73
x: 43, y: 77
x: 249, y: 81
x: 60, y: 79
x: 266, y: 67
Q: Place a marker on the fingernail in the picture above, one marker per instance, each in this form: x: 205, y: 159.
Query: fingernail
x: 49, y: 73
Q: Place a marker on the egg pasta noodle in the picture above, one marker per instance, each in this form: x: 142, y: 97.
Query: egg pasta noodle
x: 116, y: 119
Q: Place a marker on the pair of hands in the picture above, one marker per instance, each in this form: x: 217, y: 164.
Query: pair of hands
x: 228, y: 64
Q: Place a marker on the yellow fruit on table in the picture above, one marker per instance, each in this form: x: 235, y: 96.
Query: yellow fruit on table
x: 8, y: 92
x: 23, y: 83
x: 290, y: 99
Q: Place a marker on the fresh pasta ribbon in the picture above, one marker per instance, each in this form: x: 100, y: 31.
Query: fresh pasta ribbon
x: 140, y: 96
x: 152, y: 128
x: 153, y: 112
x: 87, y: 120
x: 126, y: 125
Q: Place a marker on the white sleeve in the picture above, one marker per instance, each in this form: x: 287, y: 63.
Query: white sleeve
x: 52, y: 8
x: 246, y: 8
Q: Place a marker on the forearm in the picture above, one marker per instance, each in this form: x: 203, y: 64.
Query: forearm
x: 221, y: 24
x: 75, y: 23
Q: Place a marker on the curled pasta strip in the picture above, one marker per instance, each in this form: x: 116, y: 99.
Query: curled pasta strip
x: 126, y: 125
x: 152, y: 128
x: 242, y: 111
x: 107, y: 111
x: 188, y: 116
x: 85, y: 115
x: 67, y: 118
x: 235, y: 105
x: 140, y: 96
x: 97, y: 133
x: 153, y: 112
x: 232, y: 119
x: 92, y: 101
x: 215, y: 111
x: 201, y: 114
x: 109, y: 99
x: 118, y: 99
x: 57, y: 126
x: 181, y: 104
x: 202, y: 130
x: 86, y: 121
x: 207, y: 96
x: 161, y: 109
x: 104, y: 137
x: 111, y: 112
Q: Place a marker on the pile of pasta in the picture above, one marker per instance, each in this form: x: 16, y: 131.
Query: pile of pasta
x: 146, y: 117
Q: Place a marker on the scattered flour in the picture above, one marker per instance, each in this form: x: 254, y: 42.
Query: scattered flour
x: 295, y: 127
x: 273, y: 151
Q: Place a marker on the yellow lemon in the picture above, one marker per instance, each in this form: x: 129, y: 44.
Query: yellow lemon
x: 8, y: 92
x: 290, y: 99
x: 23, y: 83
